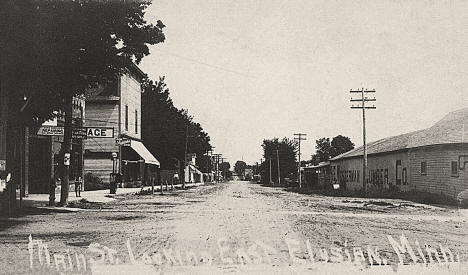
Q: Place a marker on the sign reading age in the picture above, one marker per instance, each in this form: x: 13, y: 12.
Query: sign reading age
x: 99, y: 132
x: 78, y: 132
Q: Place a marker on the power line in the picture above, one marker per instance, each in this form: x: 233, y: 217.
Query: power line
x: 299, y: 138
x: 362, y: 105
x: 210, y: 65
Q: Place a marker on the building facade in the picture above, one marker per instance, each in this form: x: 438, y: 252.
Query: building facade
x: 432, y: 160
x: 192, y: 173
x: 316, y: 176
x: 115, y: 110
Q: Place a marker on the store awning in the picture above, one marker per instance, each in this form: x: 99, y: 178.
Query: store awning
x: 143, y: 152
x: 195, y: 169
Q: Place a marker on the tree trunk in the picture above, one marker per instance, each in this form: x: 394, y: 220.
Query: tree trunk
x: 66, y: 149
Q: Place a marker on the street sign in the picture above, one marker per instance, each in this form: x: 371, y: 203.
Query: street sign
x: 51, y: 131
x: 122, y: 142
x: 99, y: 132
x: 77, y: 132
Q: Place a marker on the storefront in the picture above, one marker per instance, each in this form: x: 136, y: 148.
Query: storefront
x: 139, y: 166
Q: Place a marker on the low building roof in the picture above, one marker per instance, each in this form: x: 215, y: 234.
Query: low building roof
x: 321, y: 164
x: 452, y: 129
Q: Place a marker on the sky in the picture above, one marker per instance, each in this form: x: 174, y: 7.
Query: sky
x: 250, y: 70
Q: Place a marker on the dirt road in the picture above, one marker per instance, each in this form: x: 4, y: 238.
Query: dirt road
x: 237, y: 227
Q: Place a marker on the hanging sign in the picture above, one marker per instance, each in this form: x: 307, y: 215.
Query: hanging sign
x: 122, y: 141
x: 66, y: 159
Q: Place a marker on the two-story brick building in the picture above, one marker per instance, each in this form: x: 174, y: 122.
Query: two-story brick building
x: 432, y: 160
x: 116, y: 109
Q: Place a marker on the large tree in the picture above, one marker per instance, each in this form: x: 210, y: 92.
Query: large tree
x: 323, y: 149
x: 326, y: 149
x: 341, y: 144
x: 224, y: 169
x: 239, y: 168
x: 283, y: 150
x: 170, y: 132
x: 59, y: 49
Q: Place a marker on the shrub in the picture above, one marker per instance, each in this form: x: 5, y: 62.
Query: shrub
x: 464, y: 203
x: 92, y: 182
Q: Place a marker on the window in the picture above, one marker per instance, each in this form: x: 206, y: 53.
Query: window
x: 398, y: 172
x: 454, y: 168
x: 423, y: 168
x: 386, y: 175
x: 136, y: 122
x: 126, y: 117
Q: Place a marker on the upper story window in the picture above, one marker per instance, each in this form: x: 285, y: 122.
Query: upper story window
x: 423, y: 168
x: 454, y: 166
x: 136, y: 121
x: 126, y: 117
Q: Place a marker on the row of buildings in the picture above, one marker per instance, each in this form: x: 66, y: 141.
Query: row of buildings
x: 433, y: 160
x: 106, y: 140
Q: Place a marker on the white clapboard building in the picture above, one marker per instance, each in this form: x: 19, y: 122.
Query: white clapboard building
x: 113, y: 122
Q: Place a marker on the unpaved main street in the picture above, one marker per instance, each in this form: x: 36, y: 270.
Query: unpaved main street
x: 234, y: 227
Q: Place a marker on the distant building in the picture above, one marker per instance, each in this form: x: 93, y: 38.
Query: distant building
x: 316, y: 176
x: 114, y: 113
x: 432, y: 160
x: 248, y: 174
x: 192, y: 173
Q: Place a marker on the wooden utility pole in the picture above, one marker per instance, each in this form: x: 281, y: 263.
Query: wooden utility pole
x: 224, y: 169
x: 362, y: 105
x: 278, y: 162
x: 66, y: 151
x: 216, y: 165
x: 300, y: 137
x: 185, y: 157
x: 209, y: 155
x: 270, y: 171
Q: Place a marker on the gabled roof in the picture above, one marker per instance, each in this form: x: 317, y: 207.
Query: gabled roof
x: 452, y: 129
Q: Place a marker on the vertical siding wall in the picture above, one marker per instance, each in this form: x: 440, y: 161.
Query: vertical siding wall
x: 102, y: 114
x: 376, y: 167
x: 99, y: 167
x: 439, y: 178
x: 130, y: 95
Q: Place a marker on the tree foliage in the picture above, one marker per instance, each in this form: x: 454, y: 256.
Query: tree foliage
x: 287, y: 159
x: 55, y: 50
x: 326, y: 149
x: 239, y: 168
x: 341, y: 144
x: 166, y: 129
x: 58, y: 49
x: 224, y: 166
